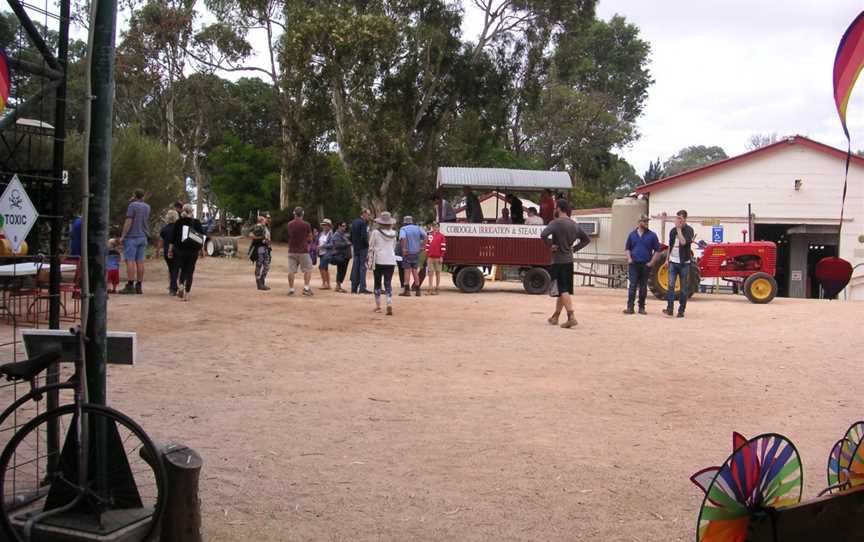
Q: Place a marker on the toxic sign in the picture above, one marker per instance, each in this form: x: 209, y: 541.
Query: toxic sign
x: 17, y: 213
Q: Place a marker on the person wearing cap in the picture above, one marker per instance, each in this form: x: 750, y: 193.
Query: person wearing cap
x: 642, y: 248
x: 382, y: 259
x: 412, y: 239
x: 260, y: 250
x: 324, y: 252
x: 299, y: 235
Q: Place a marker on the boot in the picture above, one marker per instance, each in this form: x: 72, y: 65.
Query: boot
x: 138, y: 289
x: 553, y: 320
x: 128, y: 289
x: 406, y: 293
x: 571, y: 321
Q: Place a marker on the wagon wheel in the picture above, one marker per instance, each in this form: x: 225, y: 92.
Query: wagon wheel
x: 760, y: 288
x: 454, y: 275
x: 763, y: 472
x: 536, y: 281
x: 658, y: 279
x: 470, y: 279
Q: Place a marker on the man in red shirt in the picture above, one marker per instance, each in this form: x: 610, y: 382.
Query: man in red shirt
x: 547, y: 206
x: 436, y: 248
x: 299, y: 234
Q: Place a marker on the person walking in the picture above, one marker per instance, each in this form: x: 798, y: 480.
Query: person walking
x: 382, y: 259
x: 261, y: 250
x: 299, y: 235
x: 186, y: 243
x: 166, y: 236
x: 339, y: 249
x: 642, y: 248
x: 360, y: 245
x: 412, y: 239
x: 324, y: 252
x: 436, y: 249
x: 134, y: 241
x: 473, y: 210
x: 679, y: 257
x: 561, y: 234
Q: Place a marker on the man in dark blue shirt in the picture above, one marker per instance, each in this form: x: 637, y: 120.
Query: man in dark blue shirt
x: 360, y: 244
x: 641, y: 248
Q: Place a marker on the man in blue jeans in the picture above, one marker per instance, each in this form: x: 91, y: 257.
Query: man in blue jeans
x: 134, y: 240
x: 680, y: 258
x: 360, y: 245
x: 642, y: 247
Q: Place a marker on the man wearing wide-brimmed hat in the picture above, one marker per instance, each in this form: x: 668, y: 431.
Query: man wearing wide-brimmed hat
x: 382, y: 259
x: 325, y: 248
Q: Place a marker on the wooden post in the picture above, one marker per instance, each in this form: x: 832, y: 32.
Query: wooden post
x: 181, y: 521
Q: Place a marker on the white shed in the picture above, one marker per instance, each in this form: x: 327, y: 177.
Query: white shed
x: 794, y: 188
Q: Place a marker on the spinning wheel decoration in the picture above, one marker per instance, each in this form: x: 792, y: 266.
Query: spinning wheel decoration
x: 762, y: 473
x: 846, y: 460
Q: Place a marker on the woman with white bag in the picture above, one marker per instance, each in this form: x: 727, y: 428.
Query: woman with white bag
x: 184, y: 248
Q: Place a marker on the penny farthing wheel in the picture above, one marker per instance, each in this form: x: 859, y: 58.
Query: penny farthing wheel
x: 763, y: 472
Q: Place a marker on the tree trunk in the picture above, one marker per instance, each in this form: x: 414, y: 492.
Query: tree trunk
x: 284, y: 162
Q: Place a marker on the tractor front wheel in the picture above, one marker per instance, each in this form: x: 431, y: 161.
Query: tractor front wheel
x: 658, y: 279
x: 760, y: 288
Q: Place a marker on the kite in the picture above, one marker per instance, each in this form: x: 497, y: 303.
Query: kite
x: 5, y: 80
x: 832, y: 272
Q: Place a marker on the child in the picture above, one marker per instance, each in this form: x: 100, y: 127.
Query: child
x: 436, y: 248
x: 112, y: 264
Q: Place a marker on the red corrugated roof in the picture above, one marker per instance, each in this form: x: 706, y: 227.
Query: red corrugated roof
x: 794, y: 140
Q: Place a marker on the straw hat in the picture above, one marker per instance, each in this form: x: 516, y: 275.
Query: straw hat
x: 385, y: 218
x: 327, y: 222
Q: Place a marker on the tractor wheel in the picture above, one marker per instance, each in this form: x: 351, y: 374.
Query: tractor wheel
x: 658, y: 279
x: 760, y: 288
x: 470, y: 280
x: 537, y: 281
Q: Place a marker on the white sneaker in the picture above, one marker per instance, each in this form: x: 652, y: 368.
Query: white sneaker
x: 291, y: 291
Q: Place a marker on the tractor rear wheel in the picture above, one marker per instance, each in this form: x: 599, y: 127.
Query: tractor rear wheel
x: 658, y: 279
x: 537, y: 281
x: 470, y: 279
x: 760, y: 288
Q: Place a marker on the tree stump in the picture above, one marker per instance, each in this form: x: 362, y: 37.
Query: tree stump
x: 181, y: 521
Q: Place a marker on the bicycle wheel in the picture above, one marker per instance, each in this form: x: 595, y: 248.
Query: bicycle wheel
x: 122, y: 494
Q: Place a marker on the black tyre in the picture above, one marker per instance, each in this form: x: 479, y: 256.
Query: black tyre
x: 470, y: 280
x: 455, y: 276
x: 760, y: 288
x: 37, y: 476
x: 536, y: 281
x: 658, y: 280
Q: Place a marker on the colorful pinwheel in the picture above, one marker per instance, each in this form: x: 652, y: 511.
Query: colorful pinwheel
x: 763, y: 472
x: 846, y: 460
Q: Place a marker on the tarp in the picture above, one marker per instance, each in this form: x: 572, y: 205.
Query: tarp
x: 511, y: 179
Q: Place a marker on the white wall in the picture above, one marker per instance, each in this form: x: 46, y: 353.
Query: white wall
x: 768, y: 182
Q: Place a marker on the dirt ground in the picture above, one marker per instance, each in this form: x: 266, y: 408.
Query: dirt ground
x: 468, y: 417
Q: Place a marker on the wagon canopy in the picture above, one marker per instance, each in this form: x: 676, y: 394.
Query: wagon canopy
x: 493, y: 178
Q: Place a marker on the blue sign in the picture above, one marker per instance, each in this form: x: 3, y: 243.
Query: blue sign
x: 717, y: 234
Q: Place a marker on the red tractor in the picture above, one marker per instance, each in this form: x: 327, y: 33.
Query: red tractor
x: 748, y: 265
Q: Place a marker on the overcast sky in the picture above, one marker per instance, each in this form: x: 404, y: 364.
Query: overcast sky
x: 725, y: 70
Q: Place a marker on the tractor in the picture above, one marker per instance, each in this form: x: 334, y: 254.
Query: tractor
x: 749, y: 266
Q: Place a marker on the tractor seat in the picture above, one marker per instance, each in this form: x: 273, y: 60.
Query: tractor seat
x: 29, y: 368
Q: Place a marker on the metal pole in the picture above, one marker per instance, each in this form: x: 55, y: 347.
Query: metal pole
x: 53, y: 375
x: 102, y: 88
x: 749, y: 222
